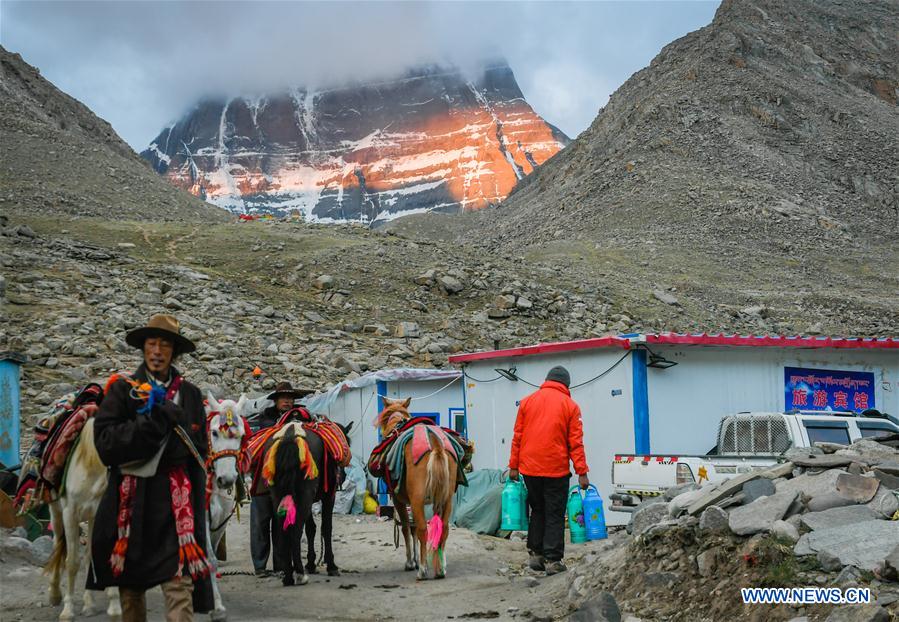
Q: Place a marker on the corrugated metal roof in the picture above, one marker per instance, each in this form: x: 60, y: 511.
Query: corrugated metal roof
x: 704, y: 339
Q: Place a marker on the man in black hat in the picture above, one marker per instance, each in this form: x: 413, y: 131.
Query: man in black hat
x: 150, y: 431
x: 263, y: 529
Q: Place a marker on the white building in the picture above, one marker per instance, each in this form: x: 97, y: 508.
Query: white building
x: 665, y: 393
x: 435, y: 393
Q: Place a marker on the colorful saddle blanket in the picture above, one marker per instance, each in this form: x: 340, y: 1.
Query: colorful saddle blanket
x: 387, y: 460
x: 43, y: 467
x: 337, y: 447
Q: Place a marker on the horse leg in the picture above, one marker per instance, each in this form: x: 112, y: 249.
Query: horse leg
x: 327, y: 532
x: 421, y: 534
x: 218, y: 612
x: 114, y: 604
x: 73, y: 542
x: 87, y: 608
x: 440, y: 554
x: 400, y: 509
x: 59, y: 543
x: 310, y: 543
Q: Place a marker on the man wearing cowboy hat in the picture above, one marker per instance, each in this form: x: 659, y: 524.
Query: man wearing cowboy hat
x: 263, y: 529
x: 150, y: 526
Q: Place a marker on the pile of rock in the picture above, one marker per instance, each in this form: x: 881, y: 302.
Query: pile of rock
x: 827, y: 516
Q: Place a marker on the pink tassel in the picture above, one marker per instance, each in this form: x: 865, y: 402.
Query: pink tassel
x: 288, y: 510
x: 435, y: 532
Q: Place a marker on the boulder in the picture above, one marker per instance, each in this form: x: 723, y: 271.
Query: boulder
x: 857, y: 544
x: 836, y: 517
x: 663, y: 296
x: 857, y: 488
x: 325, y: 281
x: 859, y: 613
x: 15, y: 547
x: 450, y: 285
x: 706, y: 562
x: 822, y: 461
x: 785, y: 531
x: 812, y: 485
x: 681, y: 502
x: 884, y: 503
x: 827, y: 501
x: 849, y: 574
x: 599, y: 608
x: 760, y: 515
x: 716, y: 495
x: 756, y: 489
x: 41, y: 549
x: 871, y: 450
x: 829, y: 562
x: 891, y: 565
x: 408, y: 329
x: 713, y: 519
x: 646, y: 516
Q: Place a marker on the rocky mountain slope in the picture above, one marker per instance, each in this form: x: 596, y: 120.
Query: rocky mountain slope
x: 428, y: 140
x: 776, y: 123
x: 58, y: 157
x: 752, y: 164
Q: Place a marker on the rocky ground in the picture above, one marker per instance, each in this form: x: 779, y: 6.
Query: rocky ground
x: 486, y: 580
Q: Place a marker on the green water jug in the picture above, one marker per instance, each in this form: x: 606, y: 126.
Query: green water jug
x: 576, y: 523
x: 514, y: 504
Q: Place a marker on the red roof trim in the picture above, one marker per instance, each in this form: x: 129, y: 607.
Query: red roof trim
x: 684, y: 339
x: 544, y: 348
x: 776, y: 341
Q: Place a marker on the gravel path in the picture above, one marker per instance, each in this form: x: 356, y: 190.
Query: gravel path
x: 485, y: 580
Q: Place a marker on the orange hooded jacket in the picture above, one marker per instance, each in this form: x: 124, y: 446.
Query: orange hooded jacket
x: 548, y: 433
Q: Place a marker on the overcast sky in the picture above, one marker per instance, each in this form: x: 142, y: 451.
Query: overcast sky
x: 141, y: 65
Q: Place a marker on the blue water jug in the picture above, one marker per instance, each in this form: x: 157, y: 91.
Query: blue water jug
x: 514, y: 506
x: 575, y: 507
x: 594, y: 517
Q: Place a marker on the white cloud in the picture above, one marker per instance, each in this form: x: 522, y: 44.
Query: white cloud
x: 140, y: 65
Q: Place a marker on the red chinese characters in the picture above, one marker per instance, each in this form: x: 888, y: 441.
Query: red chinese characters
x: 861, y: 401
x: 819, y: 399
x: 841, y: 399
x: 800, y: 397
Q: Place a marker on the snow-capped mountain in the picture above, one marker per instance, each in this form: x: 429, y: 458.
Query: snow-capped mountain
x: 429, y: 140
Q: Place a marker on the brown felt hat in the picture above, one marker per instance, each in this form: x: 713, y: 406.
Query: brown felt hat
x: 161, y: 325
x: 285, y: 388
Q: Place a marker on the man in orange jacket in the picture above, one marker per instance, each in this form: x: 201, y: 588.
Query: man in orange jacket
x: 548, y: 434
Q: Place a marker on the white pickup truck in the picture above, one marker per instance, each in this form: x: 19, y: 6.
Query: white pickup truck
x: 746, y: 441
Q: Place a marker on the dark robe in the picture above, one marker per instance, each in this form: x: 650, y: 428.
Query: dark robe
x: 123, y: 436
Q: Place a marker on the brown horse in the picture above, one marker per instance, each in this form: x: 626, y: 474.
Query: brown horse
x: 432, y: 480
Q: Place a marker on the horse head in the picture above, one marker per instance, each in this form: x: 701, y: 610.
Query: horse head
x: 225, y: 428
x: 394, y: 414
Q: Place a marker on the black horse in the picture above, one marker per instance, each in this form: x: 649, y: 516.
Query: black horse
x: 289, y: 480
x: 335, y: 476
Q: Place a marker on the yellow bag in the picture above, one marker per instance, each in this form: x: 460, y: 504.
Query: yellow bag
x: 369, y: 504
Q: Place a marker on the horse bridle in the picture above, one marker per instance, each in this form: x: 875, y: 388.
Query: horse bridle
x: 213, y: 456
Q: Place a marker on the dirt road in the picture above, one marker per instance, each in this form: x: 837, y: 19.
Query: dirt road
x: 485, y: 579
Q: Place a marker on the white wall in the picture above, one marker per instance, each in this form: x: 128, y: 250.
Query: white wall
x: 687, y: 401
x: 608, y: 419
x: 361, y: 407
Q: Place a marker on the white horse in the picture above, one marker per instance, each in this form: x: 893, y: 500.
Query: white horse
x: 226, y: 431
x: 85, y: 483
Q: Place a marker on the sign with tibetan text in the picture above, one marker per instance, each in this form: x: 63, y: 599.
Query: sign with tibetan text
x: 826, y: 389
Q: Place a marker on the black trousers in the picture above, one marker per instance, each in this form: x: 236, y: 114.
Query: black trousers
x: 265, y: 532
x: 546, y: 530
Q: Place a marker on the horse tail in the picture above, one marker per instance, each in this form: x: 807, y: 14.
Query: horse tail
x: 286, y: 464
x: 58, y: 556
x: 438, y: 484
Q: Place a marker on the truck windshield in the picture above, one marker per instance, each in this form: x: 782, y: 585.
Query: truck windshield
x: 819, y: 433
